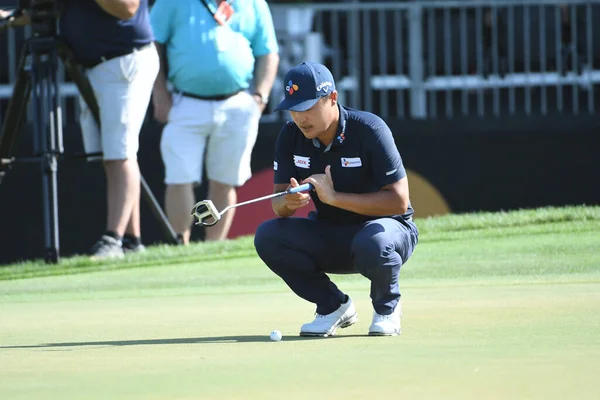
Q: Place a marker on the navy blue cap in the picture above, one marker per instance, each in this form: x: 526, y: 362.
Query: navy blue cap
x: 305, y: 84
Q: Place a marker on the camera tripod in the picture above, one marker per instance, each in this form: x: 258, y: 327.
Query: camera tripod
x: 39, y: 78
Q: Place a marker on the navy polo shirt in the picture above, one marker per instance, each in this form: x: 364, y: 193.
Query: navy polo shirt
x: 363, y: 158
x: 92, y: 33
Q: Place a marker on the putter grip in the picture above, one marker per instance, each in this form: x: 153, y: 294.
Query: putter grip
x: 301, y: 188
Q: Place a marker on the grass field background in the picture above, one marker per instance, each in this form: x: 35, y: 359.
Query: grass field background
x: 496, y: 306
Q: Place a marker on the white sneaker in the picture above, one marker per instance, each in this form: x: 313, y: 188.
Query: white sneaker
x: 387, y: 325
x: 326, y: 325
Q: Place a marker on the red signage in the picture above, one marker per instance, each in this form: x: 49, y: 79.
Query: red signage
x: 248, y: 218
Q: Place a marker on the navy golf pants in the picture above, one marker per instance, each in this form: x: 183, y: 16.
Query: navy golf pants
x: 302, y: 251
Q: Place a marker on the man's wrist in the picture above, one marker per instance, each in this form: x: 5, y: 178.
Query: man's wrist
x: 161, y: 93
x: 284, y: 211
x: 334, y: 199
x: 262, y: 99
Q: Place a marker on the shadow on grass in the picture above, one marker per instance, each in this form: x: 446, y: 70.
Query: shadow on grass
x: 198, y: 340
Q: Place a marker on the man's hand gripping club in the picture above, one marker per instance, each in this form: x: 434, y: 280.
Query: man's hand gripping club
x: 323, y: 186
x: 287, y: 205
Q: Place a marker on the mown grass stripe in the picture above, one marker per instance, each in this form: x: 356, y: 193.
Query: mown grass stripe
x: 572, y: 219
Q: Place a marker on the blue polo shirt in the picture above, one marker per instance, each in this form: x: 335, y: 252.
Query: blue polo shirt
x: 92, y: 33
x: 205, y: 58
x: 363, y: 159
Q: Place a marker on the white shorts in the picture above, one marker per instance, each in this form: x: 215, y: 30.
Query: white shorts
x: 123, y: 87
x: 224, y: 130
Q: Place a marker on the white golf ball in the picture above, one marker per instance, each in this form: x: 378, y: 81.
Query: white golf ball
x: 275, y: 336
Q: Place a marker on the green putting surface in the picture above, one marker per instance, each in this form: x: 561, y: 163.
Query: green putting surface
x: 492, y: 310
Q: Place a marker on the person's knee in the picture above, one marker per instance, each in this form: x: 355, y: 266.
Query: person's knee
x: 220, y: 187
x: 112, y: 163
x: 266, y: 237
x: 370, y: 251
x: 126, y: 170
x: 179, y: 193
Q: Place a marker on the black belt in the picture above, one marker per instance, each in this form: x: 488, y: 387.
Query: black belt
x: 214, y: 98
x: 111, y: 56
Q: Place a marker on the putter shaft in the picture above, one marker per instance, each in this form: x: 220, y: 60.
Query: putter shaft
x: 297, y: 189
x: 211, y: 211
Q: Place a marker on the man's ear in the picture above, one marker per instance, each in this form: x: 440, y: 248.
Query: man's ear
x: 334, y: 97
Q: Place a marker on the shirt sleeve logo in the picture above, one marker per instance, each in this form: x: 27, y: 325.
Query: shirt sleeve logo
x: 302, y: 162
x: 353, y: 162
x: 275, y: 165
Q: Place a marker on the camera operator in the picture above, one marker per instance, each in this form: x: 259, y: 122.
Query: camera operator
x: 113, y: 41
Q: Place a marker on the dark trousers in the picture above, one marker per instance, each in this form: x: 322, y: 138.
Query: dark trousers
x: 303, y: 250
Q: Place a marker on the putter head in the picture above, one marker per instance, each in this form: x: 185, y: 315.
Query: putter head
x: 206, y: 213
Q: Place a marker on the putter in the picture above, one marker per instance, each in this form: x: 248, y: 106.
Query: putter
x: 208, y: 215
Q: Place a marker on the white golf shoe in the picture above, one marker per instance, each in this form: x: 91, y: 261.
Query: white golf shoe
x: 387, y: 325
x: 326, y: 325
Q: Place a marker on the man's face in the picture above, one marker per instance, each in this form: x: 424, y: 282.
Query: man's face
x: 315, y: 121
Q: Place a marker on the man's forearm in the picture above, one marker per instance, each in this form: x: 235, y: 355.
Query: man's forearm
x: 265, y: 71
x: 122, y: 9
x: 160, y: 84
x: 377, y: 204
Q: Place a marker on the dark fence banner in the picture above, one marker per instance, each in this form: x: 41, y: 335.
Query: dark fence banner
x: 454, y: 166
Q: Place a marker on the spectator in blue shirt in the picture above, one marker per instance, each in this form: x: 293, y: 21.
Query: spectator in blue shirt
x: 363, y: 220
x: 222, y: 60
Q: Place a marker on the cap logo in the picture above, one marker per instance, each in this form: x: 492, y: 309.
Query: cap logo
x: 291, y: 87
x: 324, y: 85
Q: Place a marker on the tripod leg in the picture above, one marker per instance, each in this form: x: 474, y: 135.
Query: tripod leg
x: 87, y: 92
x: 158, y: 212
x: 14, y: 115
x: 48, y: 134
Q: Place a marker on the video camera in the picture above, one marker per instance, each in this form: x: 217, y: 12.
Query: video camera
x: 43, y: 15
